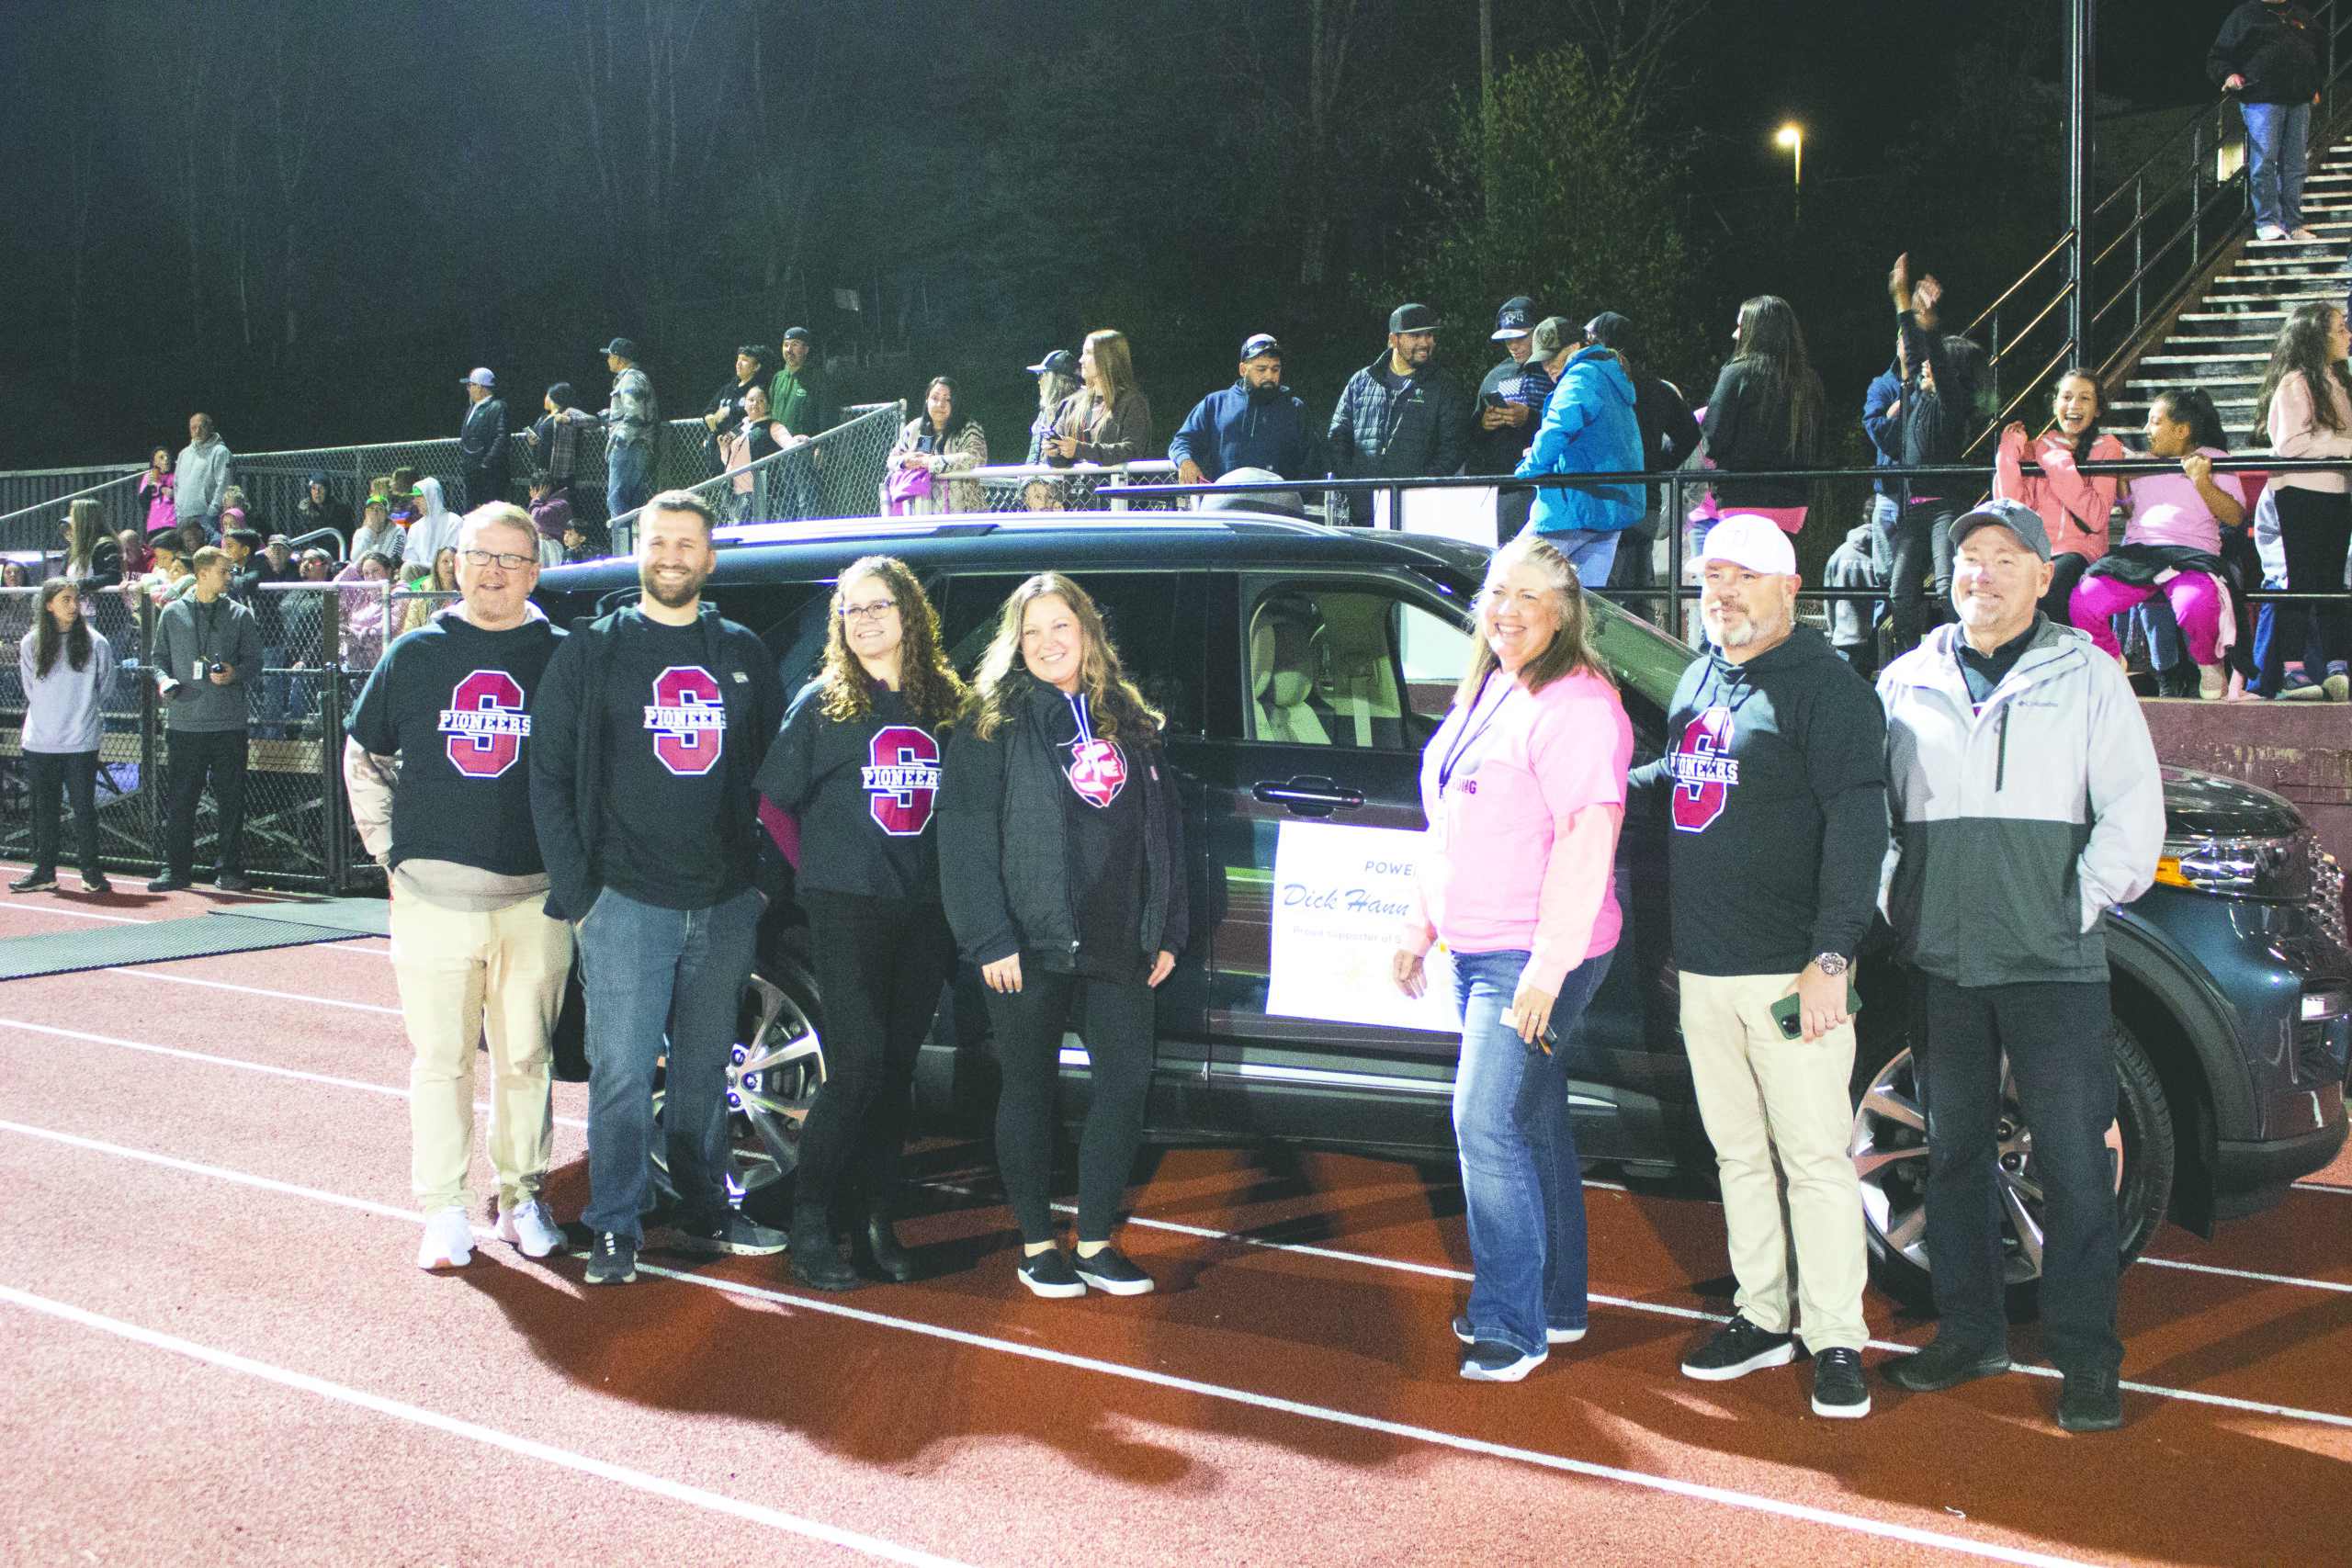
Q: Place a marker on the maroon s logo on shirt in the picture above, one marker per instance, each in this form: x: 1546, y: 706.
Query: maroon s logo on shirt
x: 1703, y: 770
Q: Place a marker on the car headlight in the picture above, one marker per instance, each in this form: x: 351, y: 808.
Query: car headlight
x: 2280, y: 870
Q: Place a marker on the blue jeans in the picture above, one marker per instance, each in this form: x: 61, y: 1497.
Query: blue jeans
x: 1590, y: 550
x: 1521, y: 1180
x: 629, y: 476
x: 661, y: 982
x: 2276, y: 136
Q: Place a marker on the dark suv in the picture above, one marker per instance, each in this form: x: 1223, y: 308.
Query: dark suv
x: 1302, y: 669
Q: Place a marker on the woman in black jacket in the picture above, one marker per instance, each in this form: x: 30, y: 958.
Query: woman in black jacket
x: 1061, y: 861
x: 857, y: 761
x: 1765, y: 413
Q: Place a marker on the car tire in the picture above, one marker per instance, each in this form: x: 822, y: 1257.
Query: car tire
x: 774, y: 1071
x: 1890, y: 1150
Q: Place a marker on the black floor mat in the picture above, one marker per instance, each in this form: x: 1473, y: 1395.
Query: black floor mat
x: 249, y: 929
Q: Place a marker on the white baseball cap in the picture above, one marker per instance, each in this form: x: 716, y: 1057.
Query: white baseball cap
x: 481, y: 377
x: 1757, y: 543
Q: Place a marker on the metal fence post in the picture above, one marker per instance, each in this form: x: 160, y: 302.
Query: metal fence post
x: 332, y: 813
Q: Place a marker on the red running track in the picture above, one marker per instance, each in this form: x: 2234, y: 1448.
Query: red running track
x: 219, y: 1352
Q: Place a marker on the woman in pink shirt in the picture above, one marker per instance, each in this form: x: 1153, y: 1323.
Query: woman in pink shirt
x: 1524, y: 789
x: 2074, y: 506
x: 2306, y: 406
x: 2173, y: 545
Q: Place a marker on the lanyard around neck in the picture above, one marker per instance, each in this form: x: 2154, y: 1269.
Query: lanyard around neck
x: 1475, y: 724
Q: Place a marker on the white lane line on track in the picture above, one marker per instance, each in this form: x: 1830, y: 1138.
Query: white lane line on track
x: 490, y: 1436
x: 1695, y: 1490
x: 2323, y: 1187
x: 255, y: 990
x: 211, y: 1060
x: 389, y: 1211
x: 17, y: 908
x: 2249, y: 1274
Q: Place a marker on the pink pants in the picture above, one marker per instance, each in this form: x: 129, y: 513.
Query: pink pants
x: 2196, y: 602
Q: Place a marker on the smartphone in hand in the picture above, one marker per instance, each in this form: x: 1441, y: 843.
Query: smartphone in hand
x: 1788, y: 1012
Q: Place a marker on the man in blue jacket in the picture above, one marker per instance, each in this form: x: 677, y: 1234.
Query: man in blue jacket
x: 1589, y: 428
x: 1257, y: 423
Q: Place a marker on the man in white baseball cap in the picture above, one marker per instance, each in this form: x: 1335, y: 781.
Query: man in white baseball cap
x: 1777, y: 795
x: 482, y: 442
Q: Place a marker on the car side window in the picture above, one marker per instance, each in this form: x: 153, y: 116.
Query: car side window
x: 1153, y: 619
x: 1349, y: 667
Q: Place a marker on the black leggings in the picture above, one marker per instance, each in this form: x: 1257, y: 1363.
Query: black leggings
x: 1116, y: 1024
x: 74, y: 772
x: 880, y: 964
x: 2314, y: 531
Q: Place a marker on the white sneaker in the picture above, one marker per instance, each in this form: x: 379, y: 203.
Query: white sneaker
x: 529, y: 1228
x: 2271, y: 232
x: 2300, y: 233
x: 449, y: 1240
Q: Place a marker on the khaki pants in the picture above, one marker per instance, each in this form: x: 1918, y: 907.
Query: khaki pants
x: 464, y: 974
x: 1762, y: 1096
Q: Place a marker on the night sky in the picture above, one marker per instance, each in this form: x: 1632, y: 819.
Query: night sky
x: 311, y: 219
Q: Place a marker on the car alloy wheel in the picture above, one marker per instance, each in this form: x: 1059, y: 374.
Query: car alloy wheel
x: 774, y: 1071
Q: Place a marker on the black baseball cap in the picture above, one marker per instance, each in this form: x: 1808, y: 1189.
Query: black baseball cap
x: 1611, y: 330
x: 1061, y: 362
x: 1412, y: 319
x: 623, y: 347
x: 798, y: 334
x: 1259, y: 345
x: 1516, y: 319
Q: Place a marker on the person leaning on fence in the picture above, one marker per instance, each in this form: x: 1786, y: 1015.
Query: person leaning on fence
x: 2027, y: 803
x: 2075, y: 507
x: 485, y: 469
x: 1523, y: 786
x: 1057, y: 378
x: 937, y: 443
x: 632, y: 418
x: 753, y: 436
x: 648, y: 732
x: 2267, y: 56
x: 1061, y: 863
x: 1588, y: 427
x: 208, y: 649
x: 725, y: 410
x: 67, y: 670
x: 203, y: 472
x: 2305, y: 409
x: 1403, y: 415
x: 1257, y: 423
x: 2172, y: 553
x: 1108, y: 419
x: 1508, y: 405
x: 857, y: 766
x: 801, y: 400
x: 135, y: 555
x: 1774, y: 783
x: 555, y: 438
x: 437, y: 767
x: 1765, y: 412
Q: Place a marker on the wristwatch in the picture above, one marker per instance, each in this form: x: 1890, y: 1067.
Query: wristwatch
x: 1832, y: 963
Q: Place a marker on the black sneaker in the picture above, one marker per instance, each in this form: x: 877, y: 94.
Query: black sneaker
x: 232, y: 882
x: 1048, y: 1274
x: 1947, y: 1363
x: 816, y: 1261
x: 1838, y: 1390
x: 1738, y: 1348
x: 1109, y: 1271
x: 1490, y: 1361
x: 170, y: 882
x: 95, y: 882
x: 612, y: 1260
x: 2093, y: 1401
x: 1467, y: 1336
x: 34, y: 881
x: 732, y: 1234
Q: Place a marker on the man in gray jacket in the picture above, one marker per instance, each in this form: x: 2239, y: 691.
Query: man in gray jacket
x: 2027, y: 803
x: 208, y: 647
x: 201, y: 474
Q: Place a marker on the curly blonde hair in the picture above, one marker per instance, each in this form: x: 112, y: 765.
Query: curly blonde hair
x: 935, y: 692
x: 1004, y: 677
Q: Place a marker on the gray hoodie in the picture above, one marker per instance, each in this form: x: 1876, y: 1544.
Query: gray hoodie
x: 191, y: 633
x: 62, y: 709
x: 203, y: 473
x: 2017, y: 824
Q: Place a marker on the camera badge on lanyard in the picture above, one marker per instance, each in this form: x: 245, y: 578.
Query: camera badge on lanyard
x: 1097, y: 771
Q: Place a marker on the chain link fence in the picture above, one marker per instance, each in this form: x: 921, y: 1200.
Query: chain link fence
x: 837, y: 474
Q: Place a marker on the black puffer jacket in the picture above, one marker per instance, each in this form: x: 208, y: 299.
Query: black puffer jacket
x: 2275, y: 47
x: 1004, y: 870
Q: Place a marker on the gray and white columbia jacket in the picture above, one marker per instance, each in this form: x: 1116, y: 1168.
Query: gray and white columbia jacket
x: 2016, y: 824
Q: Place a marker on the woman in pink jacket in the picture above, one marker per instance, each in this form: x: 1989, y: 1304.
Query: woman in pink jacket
x: 2073, y: 506
x: 1524, y: 789
x: 2306, y: 406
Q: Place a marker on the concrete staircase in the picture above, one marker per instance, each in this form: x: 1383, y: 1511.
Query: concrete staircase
x: 2223, y: 342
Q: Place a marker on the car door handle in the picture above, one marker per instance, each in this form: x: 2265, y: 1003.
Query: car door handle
x: 1307, y: 795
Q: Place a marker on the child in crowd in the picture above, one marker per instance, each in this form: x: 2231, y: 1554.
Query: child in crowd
x: 406, y: 508
x: 551, y: 514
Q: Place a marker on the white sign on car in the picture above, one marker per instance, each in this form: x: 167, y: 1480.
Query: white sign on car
x: 1340, y: 896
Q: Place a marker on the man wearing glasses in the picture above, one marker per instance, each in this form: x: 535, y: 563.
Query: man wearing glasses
x: 440, y: 788
x: 648, y: 731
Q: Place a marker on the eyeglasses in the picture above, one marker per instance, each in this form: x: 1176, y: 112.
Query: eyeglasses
x: 874, y: 612
x: 495, y: 558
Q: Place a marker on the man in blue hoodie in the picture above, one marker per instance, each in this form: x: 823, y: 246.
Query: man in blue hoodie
x: 1589, y: 428
x: 1257, y: 423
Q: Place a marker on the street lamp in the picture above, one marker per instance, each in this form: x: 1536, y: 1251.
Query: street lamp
x: 1792, y: 138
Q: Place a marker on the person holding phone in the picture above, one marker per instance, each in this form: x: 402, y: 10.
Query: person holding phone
x: 1776, y: 786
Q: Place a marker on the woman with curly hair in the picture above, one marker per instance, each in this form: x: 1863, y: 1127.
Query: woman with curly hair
x: 1062, y: 865
x: 857, y: 761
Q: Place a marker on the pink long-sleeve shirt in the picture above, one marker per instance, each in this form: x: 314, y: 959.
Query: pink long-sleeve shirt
x: 2295, y: 432
x: 2073, y: 506
x: 2168, y: 509
x: 1524, y: 793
